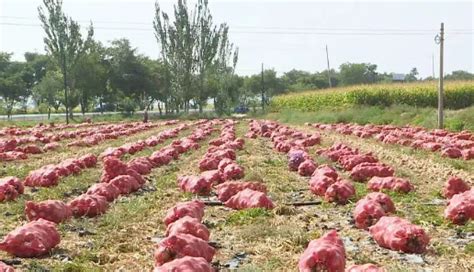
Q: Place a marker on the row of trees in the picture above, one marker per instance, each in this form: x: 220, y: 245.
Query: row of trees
x: 196, y: 66
x: 116, y: 77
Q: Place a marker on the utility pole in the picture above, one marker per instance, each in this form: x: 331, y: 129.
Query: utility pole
x: 329, y: 71
x: 440, y: 39
x: 263, y: 91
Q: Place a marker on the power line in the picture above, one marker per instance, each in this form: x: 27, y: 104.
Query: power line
x: 271, y: 32
x: 272, y: 27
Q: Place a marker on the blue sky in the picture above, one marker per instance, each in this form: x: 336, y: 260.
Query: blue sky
x: 395, y: 35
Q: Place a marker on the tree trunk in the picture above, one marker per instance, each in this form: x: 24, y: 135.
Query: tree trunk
x: 49, y: 113
x: 65, y: 89
x: 159, y: 108
x: 83, y: 108
x: 101, y: 106
x: 145, y: 116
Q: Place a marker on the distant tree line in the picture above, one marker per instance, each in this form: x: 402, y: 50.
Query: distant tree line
x: 196, y: 66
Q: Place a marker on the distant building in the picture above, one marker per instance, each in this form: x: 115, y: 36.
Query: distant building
x: 398, y: 77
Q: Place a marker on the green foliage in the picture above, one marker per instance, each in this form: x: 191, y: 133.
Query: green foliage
x: 460, y: 75
x: 458, y: 95
x: 64, y: 43
x: 197, y: 56
x: 127, y: 106
x: 412, y: 75
x: 247, y: 216
x: 469, y: 249
x: 395, y: 114
x: 358, y: 73
x: 13, y: 83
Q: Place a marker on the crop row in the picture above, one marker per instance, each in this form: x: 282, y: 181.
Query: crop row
x: 457, y: 95
x: 117, y: 179
x: 374, y: 212
x: 18, y: 148
x: 449, y: 144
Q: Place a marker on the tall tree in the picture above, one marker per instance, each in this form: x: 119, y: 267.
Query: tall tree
x: 412, y: 75
x: 127, y: 72
x: 177, y: 41
x: 13, y: 87
x: 192, y: 48
x: 48, y: 91
x: 91, y: 74
x: 206, y: 48
x: 228, y: 89
x: 358, y: 73
x: 63, y: 41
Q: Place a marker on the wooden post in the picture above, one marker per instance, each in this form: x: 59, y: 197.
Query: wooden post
x: 329, y: 71
x: 263, y: 92
x: 441, y: 78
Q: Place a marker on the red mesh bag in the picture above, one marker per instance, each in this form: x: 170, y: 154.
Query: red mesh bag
x: 126, y: 184
x: 325, y: 170
x: 208, y: 163
x: 188, y: 225
x: 43, y: 177
x: 8, y: 145
x: 52, y: 210
x: 324, y: 254
x: 249, y: 198
x: 51, y: 146
x: 195, y: 185
x: 139, y: 178
x: 232, y: 171
x: 229, y: 188
x: 399, y: 234
x: 468, y: 153
x: 340, y: 192
x: 186, y: 264
x: 350, y: 161
x: 307, y: 168
x: 454, y: 185
x: 33, y: 239
x: 382, y: 199
x: 112, y: 167
x: 89, y: 160
x: 365, y: 170
x: 193, y: 209
x: 451, y: 152
x: 31, y: 149
x: 6, y: 268
x: 158, y: 159
x: 212, y: 176
x: 180, y: 245
x: 141, y: 165
x: 107, y: 190
x: 390, y: 183
x: 10, y: 188
x: 432, y: 146
x: 223, y: 163
x: 88, y: 205
x: 13, y: 156
x: 460, y: 208
x: 320, y: 183
x: 73, y: 167
x: 367, y: 212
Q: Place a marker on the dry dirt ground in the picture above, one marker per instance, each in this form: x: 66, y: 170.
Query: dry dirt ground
x: 251, y: 240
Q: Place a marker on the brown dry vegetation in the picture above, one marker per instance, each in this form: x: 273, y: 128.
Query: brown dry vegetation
x: 123, y: 238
